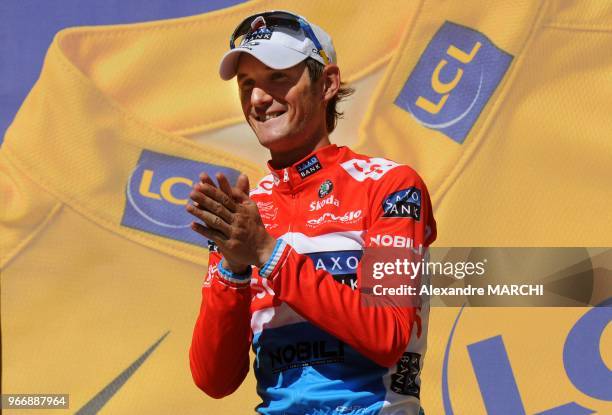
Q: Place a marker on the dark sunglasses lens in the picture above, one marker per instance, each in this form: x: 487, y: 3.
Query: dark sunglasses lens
x: 274, y: 19
x: 291, y: 24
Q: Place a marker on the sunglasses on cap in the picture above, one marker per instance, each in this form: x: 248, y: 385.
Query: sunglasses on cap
x: 278, y: 19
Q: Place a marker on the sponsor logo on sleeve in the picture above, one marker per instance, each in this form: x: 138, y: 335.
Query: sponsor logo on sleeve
x: 395, y: 241
x: 453, y: 80
x: 405, y: 203
x: 373, y: 168
x: 342, y: 265
x: 158, y: 190
x: 308, y: 167
x: 212, y: 271
x: 261, y: 288
x: 326, y: 188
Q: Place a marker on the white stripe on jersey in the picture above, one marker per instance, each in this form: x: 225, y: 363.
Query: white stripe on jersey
x: 335, y: 241
x: 272, y: 317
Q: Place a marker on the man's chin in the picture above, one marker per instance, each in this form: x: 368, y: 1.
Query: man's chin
x: 276, y: 143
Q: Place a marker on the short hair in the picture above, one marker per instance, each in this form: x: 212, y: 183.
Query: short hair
x: 315, y: 70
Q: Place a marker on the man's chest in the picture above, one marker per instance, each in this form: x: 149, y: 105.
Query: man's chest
x: 322, y: 207
x: 326, y: 221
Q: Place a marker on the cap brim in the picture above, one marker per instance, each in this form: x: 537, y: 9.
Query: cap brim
x: 270, y: 54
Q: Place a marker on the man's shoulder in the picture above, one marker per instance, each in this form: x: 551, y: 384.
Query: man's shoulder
x: 264, y: 186
x: 376, y: 171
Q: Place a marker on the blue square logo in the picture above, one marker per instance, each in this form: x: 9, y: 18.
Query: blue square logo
x: 158, y: 190
x: 453, y: 80
x: 405, y: 203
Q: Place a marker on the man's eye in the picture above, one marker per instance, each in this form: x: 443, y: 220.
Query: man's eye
x: 278, y: 76
x: 246, y: 86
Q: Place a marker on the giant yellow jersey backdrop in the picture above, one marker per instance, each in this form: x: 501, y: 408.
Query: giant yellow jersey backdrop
x: 502, y: 106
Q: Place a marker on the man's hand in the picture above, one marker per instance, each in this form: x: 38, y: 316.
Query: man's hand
x: 232, y: 221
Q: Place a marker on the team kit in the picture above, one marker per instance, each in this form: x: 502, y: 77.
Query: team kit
x: 108, y: 295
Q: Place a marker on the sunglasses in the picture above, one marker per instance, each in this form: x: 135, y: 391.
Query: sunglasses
x: 278, y: 19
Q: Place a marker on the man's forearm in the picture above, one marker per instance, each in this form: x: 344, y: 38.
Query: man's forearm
x: 219, y: 352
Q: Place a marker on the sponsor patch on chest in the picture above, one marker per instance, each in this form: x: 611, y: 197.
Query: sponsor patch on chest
x: 308, y: 167
x: 320, y: 204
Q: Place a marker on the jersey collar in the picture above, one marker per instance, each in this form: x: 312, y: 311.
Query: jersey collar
x: 306, y: 169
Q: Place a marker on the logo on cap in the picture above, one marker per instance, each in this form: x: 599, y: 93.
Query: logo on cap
x: 261, y: 33
x: 259, y: 30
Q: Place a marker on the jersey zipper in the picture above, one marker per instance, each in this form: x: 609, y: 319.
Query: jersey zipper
x: 293, y: 203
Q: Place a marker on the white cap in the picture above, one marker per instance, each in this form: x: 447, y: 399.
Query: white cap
x: 277, y: 47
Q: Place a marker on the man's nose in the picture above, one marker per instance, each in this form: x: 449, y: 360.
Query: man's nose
x: 260, y: 97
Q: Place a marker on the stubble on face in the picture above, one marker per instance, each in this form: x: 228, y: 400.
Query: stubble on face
x: 282, y: 106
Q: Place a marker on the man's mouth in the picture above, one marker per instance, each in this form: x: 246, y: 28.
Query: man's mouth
x: 269, y: 116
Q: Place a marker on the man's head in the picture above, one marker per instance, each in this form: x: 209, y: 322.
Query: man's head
x: 288, y: 79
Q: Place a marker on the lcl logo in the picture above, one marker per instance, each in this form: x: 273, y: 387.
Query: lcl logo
x: 157, y: 191
x: 165, y: 189
x: 582, y: 363
x: 445, y: 88
x: 453, y: 80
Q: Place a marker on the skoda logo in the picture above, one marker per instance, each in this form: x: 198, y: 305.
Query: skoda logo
x: 326, y: 187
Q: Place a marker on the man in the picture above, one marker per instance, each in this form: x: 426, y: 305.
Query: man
x: 303, y: 228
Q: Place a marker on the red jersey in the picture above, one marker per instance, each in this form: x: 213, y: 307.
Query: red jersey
x: 317, y: 348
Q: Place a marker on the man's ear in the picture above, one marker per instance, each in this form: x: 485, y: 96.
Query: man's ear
x: 331, y: 81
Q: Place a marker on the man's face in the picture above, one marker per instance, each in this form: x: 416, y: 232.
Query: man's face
x: 282, y: 106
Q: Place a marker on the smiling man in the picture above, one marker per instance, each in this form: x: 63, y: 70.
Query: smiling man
x: 284, y: 267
